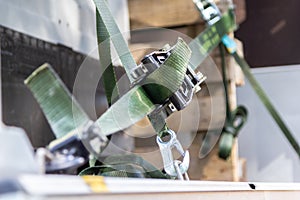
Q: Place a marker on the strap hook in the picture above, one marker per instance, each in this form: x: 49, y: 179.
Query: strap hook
x: 175, y: 168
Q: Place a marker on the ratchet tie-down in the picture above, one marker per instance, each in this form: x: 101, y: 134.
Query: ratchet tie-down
x: 88, y: 137
x: 163, y: 83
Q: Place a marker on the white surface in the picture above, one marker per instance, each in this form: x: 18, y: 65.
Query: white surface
x: 53, y: 185
x: 16, y: 153
x: 68, y: 22
x: 74, y: 185
x: 269, y: 155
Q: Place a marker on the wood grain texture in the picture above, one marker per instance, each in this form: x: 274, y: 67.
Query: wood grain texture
x: 173, y: 13
x: 162, y: 13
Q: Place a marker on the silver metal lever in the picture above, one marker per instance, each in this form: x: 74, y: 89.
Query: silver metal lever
x: 175, y: 168
x: 209, y: 11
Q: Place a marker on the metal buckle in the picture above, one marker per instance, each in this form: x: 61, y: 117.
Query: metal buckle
x: 182, y: 97
x: 74, y: 149
x: 175, y: 168
x: 209, y: 11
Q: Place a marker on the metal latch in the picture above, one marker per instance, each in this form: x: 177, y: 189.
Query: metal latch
x: 209, y: 11
x: 73, y: 150
x: 182, y: 97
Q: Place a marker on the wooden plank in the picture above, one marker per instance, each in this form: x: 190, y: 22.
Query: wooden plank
x: 240, y: 10
x: 211, y: 167
x: 162, y: 13
x: 173, y: 13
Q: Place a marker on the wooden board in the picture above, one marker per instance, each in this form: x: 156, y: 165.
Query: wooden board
x: 171, y: 13
x: 162, y: 13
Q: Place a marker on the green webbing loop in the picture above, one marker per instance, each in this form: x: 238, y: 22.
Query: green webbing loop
x: 265, y: 100
x: 234, y: 119
x: 62, y: 111
x: 232, y: 49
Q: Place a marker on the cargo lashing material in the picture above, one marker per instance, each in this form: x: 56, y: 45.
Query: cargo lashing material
x: 178, y: 101
x: 73, y: 150
x: 184, y: 82
x: 211, y: 14
x: 106, y: 28
x: 90, y: 135
x: 231, y: 47
x: 183, y: 96
x: 209, y: 11
x: 179, y: 79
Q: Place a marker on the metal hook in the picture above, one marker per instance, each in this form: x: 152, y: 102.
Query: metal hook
x: 171, y: 166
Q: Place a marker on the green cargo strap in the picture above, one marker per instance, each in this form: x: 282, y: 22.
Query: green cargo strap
x: 56, y: 102
x: 232, y: 49
x: 140, y: 100
x: 210, y: 38
x: 62, y: 112
x: 64, y: 103
x: 108, y: 76
x: 66, y: 118
x: 265, y: 100
x: 109, y: 30
x: 158, y: 84
x: 65, y: 115
x: 234, y: 119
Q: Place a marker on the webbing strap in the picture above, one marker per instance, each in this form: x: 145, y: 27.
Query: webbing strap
x: 140, y: 100
x: 210, y: 38
x: 161, y: 83
x: 232, y: 49
x: 112, y: 30
x: 62, y: 111
x: 265, y: 100
x: 56, y: 101
x: 61, y: 118
x: 234, y: 119
x: 168, y: 78
x: 108, y: 76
